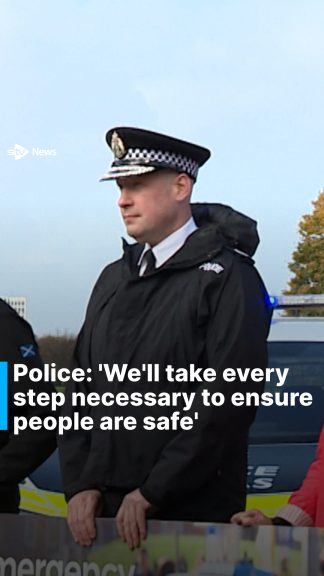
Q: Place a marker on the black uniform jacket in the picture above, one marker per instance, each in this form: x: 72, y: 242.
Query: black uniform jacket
x: 20, y: 455
x: 205, y: 306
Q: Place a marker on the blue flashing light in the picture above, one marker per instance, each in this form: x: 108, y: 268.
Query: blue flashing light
x: 273, y: 301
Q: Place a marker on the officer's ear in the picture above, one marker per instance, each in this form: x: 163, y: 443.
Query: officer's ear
x: 183, y: 187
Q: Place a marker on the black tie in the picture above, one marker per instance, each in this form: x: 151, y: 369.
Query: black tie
x: 150, y: 262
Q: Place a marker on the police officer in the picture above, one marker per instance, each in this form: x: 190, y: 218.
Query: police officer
x: 19, y: 455
x: 186, y: 293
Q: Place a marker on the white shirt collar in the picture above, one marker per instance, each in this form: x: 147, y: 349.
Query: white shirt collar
x: 169, y: 245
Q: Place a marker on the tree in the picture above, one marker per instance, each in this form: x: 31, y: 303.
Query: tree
x: 58, y: 349
x: 307, y: 262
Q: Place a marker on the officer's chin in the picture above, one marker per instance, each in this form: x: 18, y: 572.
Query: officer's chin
x: 135, y: 235
x: 133, y: 232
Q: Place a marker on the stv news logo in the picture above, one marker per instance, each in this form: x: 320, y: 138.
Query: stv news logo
x: 18, y: 152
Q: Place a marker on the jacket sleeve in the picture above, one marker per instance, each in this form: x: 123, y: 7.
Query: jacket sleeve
x: 75, y: 446
x: 236, y: 336
x: 21, y: 454
x: 301, y: 508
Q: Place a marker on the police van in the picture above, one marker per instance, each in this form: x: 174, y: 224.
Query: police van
x: 282, y: 439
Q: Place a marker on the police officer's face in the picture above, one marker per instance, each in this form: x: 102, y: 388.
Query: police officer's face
x: 152, y: 205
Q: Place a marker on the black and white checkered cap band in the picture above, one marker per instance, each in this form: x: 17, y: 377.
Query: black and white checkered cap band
x: 171, y: 159
x: 140, y: 161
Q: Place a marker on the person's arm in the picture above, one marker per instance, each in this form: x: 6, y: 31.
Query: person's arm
x: 21, y: 454
x: 301, y: 507
x: 74, y: 445
x: 236, y: 337
x: 78, y: 450
x: 255, y: 517
x: 82, y: 492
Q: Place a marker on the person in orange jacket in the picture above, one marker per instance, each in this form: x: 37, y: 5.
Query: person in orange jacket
x: 305, y: 506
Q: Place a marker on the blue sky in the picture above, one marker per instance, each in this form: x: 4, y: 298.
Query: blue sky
x: 244, y: 78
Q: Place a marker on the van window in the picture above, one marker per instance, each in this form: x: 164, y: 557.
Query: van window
x: 305, y: 361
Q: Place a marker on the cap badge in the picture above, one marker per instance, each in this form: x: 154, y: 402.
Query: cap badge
x: 117, y: 145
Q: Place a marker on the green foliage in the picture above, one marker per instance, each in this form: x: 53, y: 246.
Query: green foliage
x: 307, y: 262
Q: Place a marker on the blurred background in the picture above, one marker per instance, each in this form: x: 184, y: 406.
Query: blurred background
x: 245, y: 79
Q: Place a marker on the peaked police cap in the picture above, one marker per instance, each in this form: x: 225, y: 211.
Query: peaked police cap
x: 137, y: 151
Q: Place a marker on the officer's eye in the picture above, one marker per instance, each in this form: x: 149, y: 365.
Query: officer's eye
x: 135, y: 185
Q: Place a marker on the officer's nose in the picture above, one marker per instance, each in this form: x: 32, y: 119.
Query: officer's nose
x: 125, y: 198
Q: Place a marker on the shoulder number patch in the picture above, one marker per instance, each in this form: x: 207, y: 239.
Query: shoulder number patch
x: 212, y: 267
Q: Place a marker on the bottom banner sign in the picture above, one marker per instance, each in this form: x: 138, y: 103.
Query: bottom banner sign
x: 42, y: 546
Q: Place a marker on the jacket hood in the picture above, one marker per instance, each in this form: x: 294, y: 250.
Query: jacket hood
x: 239, y: 231
x: 219, y: 227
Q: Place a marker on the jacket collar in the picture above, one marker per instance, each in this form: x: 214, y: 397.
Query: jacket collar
x: 219, y: 227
